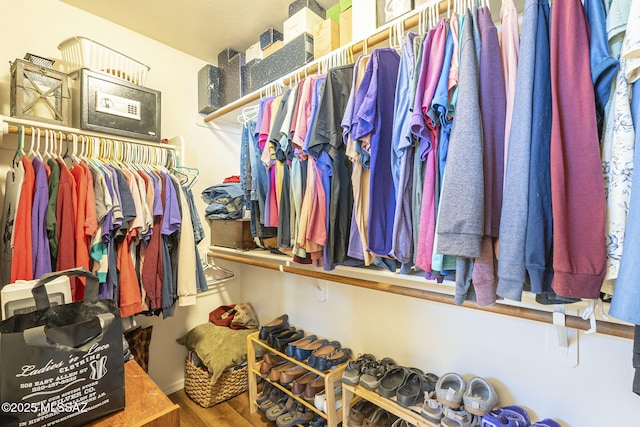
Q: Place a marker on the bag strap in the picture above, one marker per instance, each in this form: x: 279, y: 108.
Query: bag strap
x: 37, y: 337
x: 90, y: 293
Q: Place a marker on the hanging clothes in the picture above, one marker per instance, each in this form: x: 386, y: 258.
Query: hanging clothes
x: 402, y: 153
x: 513, y: 219
x: 577, y: 188
x: 510, y: 47
x: 13, y: 187
x: 374, y: 114
x: 41, y: 254
x: 326, y: 143
x: 539, y: 228
x: 462, y: 201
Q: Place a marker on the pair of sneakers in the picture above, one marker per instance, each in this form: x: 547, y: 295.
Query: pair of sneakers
x: 477, y: 395
x: 458, y: 403
x: 513, y: 416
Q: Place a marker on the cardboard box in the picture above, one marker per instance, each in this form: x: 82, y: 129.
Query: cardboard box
x: 326, y: 38
x: 273, y: 48
x: 208, y: 89
x: 232, y: 233
x: 304, y: 21
x: 298, y: 5
x: 269, y: 37
x: 289, y: 57
x: 253, y: 52
x: 345, y: 27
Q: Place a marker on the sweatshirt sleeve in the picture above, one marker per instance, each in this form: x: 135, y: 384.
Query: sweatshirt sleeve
x: 461, y: 224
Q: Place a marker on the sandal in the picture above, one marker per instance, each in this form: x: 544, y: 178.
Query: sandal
x: 391, y: 381
x: 459, y: 418
x: 411, y: 391
x: 274, y: 396
x: 359, y: 412
x: 353, y: 371
x: 379, y: 418
x: 372, y: 371
x: 431, y: 408
x: 264, y: 394
x: 302, y: 415
x: 286, y: 404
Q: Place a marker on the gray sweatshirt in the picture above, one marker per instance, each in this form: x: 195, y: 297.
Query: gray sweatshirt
x: 461, y: 220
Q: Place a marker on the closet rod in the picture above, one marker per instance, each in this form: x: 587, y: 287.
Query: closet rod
x: 356, y: 48
x: 603, y: 327
x: 28, y: 124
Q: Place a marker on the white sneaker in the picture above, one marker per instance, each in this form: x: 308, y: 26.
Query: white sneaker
x: 320, y: 400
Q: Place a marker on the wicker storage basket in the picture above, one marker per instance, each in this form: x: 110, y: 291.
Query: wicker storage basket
x: 198, y: 386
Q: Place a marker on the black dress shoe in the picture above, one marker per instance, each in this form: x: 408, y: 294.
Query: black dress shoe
x: 271, y: 336
x: 279, y: 323
x: 281, y: 341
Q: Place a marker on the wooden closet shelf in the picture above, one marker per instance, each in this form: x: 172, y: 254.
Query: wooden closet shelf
x: 11, y: 125
x: 545, y: 316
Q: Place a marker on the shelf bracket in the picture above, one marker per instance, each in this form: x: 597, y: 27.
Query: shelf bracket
x: 560, y: 325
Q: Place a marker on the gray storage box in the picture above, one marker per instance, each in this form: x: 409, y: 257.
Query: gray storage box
x: 232, y: 81
x: 289, y: 57
x: 298, y: 5
x: 269, y: 37
x: 208, y: 89
x: 225, y: 56
x: 246, y: 70
x: 107, y: 104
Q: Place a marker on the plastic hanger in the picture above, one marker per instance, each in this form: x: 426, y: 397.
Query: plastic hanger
x: 214, y: 271
x: 38, y: 139
x: 32, y: 153
x: 53, y: 146
x: 17, y: 157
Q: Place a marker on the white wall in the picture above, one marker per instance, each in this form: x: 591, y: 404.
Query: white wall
x: 510, y: 352
x: 38, y: 26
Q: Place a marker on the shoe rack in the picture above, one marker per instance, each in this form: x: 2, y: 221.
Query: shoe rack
x: 333, y: 376
x: 351, y: 394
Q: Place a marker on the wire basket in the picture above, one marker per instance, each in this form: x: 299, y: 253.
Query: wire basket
x: 81, y: 52
x: 198, y: 386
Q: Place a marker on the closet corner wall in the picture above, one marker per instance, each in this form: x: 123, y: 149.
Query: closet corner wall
x: 179, y: 111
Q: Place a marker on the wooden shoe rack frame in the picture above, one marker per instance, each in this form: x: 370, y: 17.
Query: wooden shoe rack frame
x: 333, y: 376
x: 351, y: 394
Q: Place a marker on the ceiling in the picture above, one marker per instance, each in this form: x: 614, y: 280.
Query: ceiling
x: 201, y: 28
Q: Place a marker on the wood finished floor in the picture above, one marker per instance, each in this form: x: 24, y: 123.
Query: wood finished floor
x: 232, y: 413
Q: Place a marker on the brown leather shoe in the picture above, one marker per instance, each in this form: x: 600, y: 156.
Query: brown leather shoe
x: 270, y: 361
x: 289, y: 375
x: 275, y: 373
x: 313, y: 388
x: 298, y: 386
x: 273, y: 359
